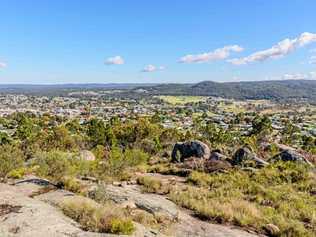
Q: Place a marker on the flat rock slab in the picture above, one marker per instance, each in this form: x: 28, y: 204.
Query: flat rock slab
x: 37, y: 218
x: 40, y: 215
x: 187, y: 225
x: 152, y: 203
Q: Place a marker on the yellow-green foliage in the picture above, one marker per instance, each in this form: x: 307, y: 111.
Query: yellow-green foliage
x: 10, y: 158
x: 281, y: 194
x: 118, y: 163
x: 17, y: 173
x: 98, y: 218
x: 73, y: 185
x: 182, y: 99
x: 57, y: 164
x: 54, y: 165
x: 168, y: 169
x: 153, y: 185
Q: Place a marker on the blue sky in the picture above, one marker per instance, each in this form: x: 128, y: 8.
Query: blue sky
x: 102, y: 41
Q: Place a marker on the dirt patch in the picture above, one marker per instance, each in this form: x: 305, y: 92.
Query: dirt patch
x: 41, y: 191
x: 7, y: 209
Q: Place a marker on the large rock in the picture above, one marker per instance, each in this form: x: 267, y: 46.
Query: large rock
x: 217, y: 155
x: 190, y: 149
x: 291, y: 155
x: 40, y: 216
x: 22, y: 216
x: 245, y: 157
x: 185, y: 224
x: 151, y: 203
x: 87, y: 155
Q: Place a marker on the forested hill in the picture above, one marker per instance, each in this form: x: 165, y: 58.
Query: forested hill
x: 276, y: 90
x: 285, y: 90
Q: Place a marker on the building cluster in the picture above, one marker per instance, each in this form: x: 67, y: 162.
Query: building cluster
x: 226, y: 113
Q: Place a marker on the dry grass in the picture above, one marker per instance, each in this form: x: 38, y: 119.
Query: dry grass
x: 280, y: 194
x: 97, y: 218
x: 153, y: 185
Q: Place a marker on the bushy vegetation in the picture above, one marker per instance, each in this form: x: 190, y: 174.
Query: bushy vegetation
x: 11, y: 158
x: 98, y: 218
x: 55, y: 164
x: 280, y: 194
x: 153, y: 185
x: 286, y: 90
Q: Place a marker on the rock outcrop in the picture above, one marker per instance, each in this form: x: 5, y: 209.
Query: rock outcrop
x: 190, y: 149
x: 290, y: 155
x: 185, y: 225
x: 217, y: 155
x: 40, y: 216
x: 23, y: 216
x: 245, y: 157
x: 87, y: 155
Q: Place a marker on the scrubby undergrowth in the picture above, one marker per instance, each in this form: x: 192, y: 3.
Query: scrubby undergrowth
x: 98, y: 218
x: 280, y: 194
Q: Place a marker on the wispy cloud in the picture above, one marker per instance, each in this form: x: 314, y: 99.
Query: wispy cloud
x: 217, y: 54
x: 153, y: 68
x: 295, y: 76
x: 312, y: 60
x: 299, y: 76
x: 312, y: 75
x: 3, y: 65
x: 116, y: 60
x: 279, y: 50
x: 312, y: 51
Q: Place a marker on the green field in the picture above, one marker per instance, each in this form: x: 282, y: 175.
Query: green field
x: 234, y: 108
x: 182, y: 99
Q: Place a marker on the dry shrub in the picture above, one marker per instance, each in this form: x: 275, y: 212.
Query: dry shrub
x: 98, y: 218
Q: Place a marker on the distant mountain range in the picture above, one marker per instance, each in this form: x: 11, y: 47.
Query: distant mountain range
x: 4, y: 87
x: 285, y: 90
x: 273, y: 90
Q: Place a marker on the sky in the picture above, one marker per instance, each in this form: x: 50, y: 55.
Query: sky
x: 146, y: 41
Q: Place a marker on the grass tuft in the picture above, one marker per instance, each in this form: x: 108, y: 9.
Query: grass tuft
x: 98, y: 218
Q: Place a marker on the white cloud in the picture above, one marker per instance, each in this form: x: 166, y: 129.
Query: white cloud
x: 2, y: 65
x: 312, y: 60
x: 153, y: 68
x: 295, y: 76
x: 300, y: 76
x: 279, y: 50
x: 217, y: 54
x: 116, y: 60
x: 312, y: 75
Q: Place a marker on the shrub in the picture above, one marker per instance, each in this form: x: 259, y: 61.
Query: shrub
x: 119, y: 226
x: 54, y: 164
x: 119, y: 164
x: 280, y: 194
x: 135, y: 157
x: 98, y: 218
x: 11, y: 158
x: 73, y: 185
x: 153, y: 185
x: 17, y: 173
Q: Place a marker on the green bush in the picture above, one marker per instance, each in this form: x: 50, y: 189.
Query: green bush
x: 54, y: 164
x: 153, y: 185
x: 98, y: 218
x: 119, y: 226
x: 11, y: 157
x: 17, y: 173
x: 135, y: 157
x: 279, y: 194
x: 118, y: 164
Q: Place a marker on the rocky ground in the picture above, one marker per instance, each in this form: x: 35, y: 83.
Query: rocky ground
x: 27, y: 211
